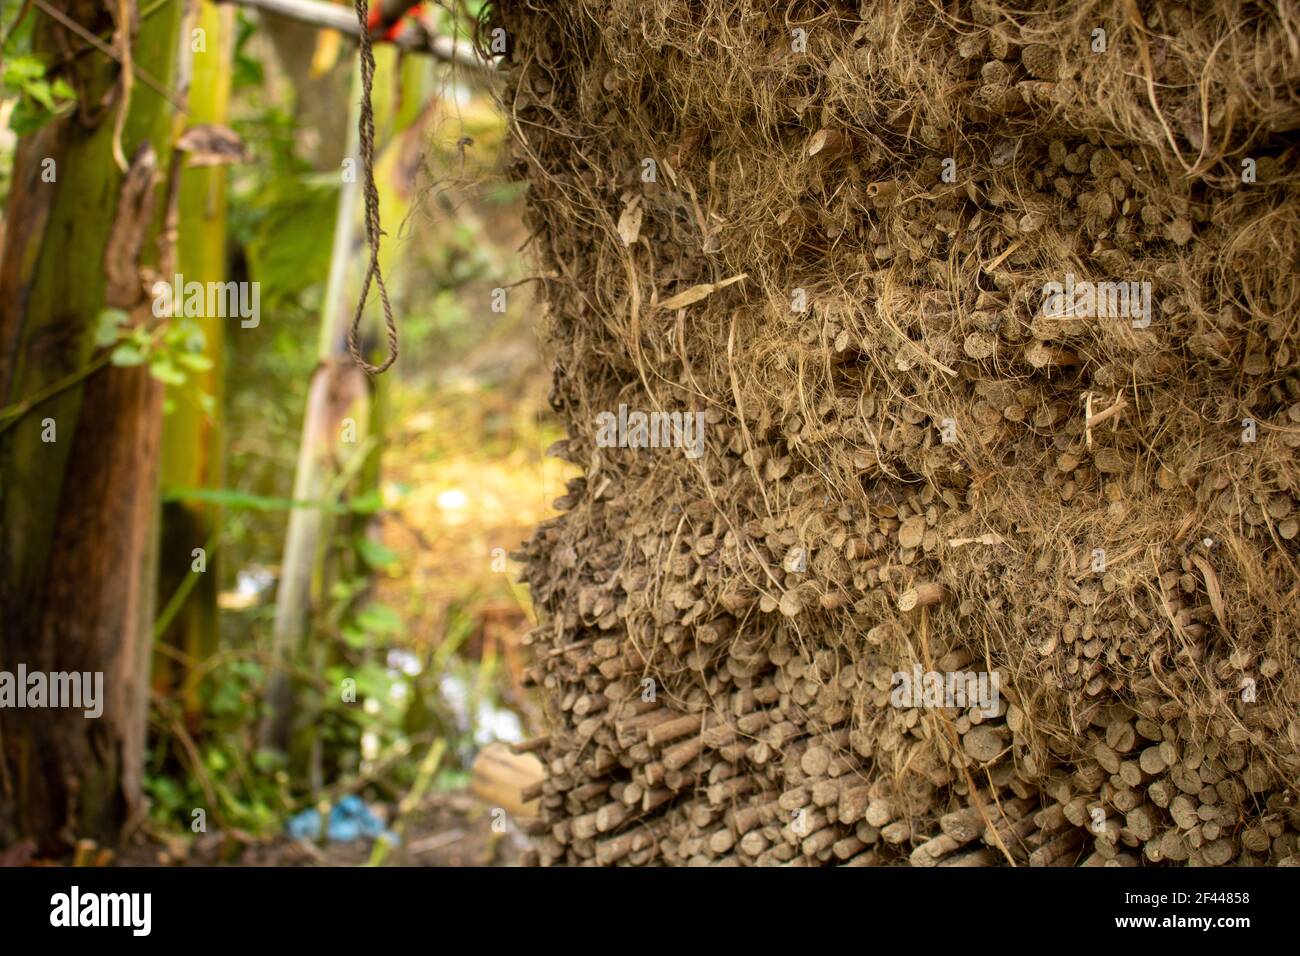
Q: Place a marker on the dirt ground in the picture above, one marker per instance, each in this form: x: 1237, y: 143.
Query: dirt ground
x: 451, y: 829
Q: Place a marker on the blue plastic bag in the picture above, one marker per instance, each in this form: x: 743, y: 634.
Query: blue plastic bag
x: 349, y: 820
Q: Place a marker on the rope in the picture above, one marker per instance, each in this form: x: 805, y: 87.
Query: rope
x: 366, y: 130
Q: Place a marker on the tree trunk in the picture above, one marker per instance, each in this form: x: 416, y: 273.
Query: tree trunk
x: 320, y: 88
x: 78, y: 468
x: 192, y: 437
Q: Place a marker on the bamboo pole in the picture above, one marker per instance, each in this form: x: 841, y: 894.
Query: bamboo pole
x: 339, y: 391
x: 335, y: 376
x: 192, y: 435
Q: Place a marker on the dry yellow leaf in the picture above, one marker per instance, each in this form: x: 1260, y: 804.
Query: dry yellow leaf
x: 629, y: 223
x: 697, y: 292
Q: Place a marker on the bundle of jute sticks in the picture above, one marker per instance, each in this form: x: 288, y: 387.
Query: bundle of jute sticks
x: 988, y: 553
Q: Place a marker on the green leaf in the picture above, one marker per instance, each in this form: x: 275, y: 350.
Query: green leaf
x: 108, y: 327
x: 164, y: 371
x: 39, y: 99
x: 379, y: 619
x: 268, y: 760
x: 346, y: 589
x: 354, y: 636
x: 164, y: 791
x: 228, y: 498
x: 373, y: 680
x: 126, y: 355
x: 375, y: 554
x: 285, y: 252
x: 367, y: 504
x: 40, y: 91
x: 217, y: 761
x: 195, y: 361
x: 21, y: 70
x: 27, y: 119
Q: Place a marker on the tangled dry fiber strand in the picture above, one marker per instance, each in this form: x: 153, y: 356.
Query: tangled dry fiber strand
x: 829, y: 228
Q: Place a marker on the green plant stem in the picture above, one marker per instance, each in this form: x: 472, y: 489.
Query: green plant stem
x: 410, y: 802
x: 14, y: 413
x: 182, y: 592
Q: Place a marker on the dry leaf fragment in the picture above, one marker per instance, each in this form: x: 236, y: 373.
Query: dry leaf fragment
x: 629, y: 223
x: 698, y: 292
x: 210, y: 144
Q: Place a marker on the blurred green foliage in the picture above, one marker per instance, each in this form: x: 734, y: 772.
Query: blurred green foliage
x: 38, y: 99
